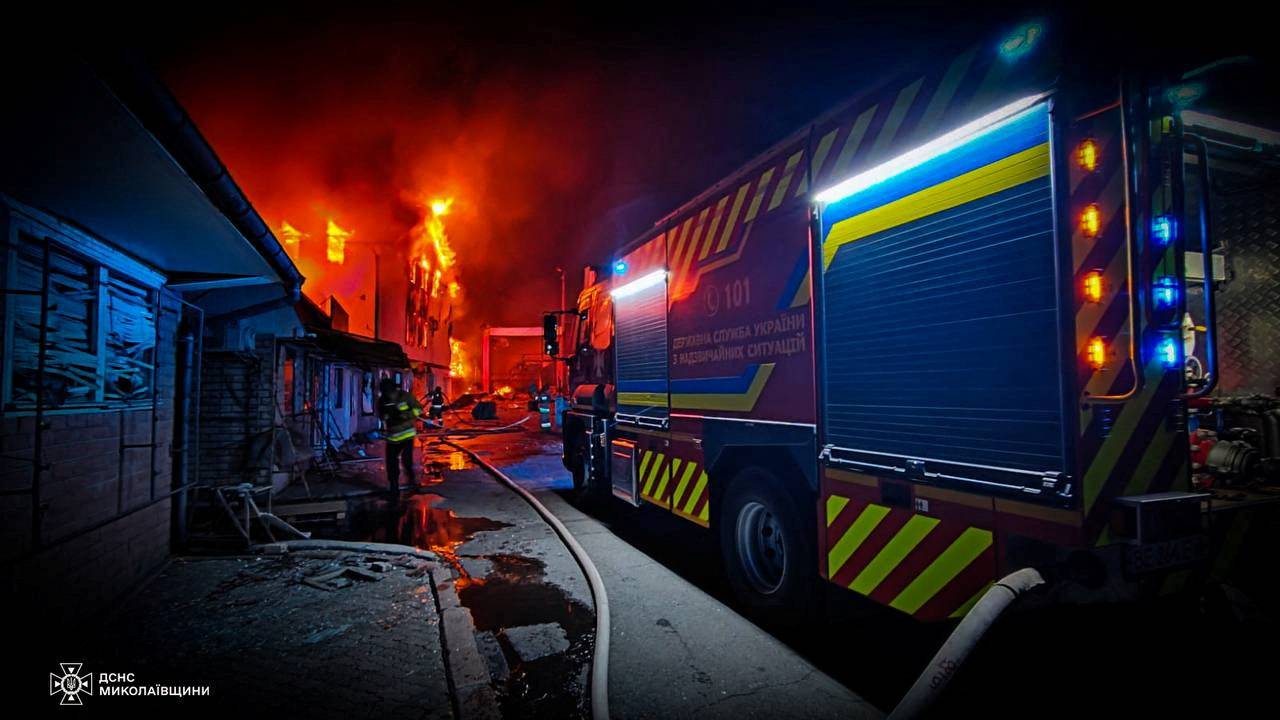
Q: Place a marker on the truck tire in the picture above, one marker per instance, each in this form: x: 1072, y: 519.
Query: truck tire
x: 768, y: 545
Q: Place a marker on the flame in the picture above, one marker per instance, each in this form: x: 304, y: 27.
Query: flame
x: 335, y: 251
x: 434, y: 225
x: 457, y: 359
x: 505, y: 391
x: 291, y: 234
x: 454, y: 290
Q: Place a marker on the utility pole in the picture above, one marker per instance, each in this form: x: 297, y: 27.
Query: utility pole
x: 562, y: 371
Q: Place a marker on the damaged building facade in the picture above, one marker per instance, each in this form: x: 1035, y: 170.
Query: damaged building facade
x: 131, y: 268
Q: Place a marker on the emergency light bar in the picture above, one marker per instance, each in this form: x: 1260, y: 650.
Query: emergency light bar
x: 641, y: 283
x: 932, y: 149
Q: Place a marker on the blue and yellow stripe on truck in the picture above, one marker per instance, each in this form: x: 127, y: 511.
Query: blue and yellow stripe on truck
x: 733, y: 394
x: 989, y: 165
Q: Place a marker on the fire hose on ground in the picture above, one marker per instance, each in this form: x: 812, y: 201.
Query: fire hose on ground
x: 961, y: 642
x: 599, y: 691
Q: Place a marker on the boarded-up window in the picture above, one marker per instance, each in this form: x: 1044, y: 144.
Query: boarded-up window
x: 99, y: 331
x: 130, y: 341
x: 71, y: 359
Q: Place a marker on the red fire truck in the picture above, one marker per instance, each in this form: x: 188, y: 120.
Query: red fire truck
x: 968, y: 322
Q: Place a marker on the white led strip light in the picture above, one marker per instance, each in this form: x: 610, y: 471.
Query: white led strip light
x: 914, y: 158
x: 641, y: 283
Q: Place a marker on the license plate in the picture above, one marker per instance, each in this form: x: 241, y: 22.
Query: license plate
x: 1147, y: 558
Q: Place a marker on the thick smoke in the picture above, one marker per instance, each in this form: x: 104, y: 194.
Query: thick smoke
x: 559, y: 138
x: 366, y: 125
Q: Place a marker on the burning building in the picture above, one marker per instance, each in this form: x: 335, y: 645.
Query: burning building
x: 403, y: 289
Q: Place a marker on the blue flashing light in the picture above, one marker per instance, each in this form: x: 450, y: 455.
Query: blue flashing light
x: 1021, y: 41
x: 1165, y: 293
x: 1163, y: 229
x: 620, y: 267
x: 1168, y: 353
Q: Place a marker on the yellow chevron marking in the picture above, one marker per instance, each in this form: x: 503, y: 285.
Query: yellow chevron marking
x: 676, y: 245
x: 737, y: 402
x: 696, y: 494
x: 853, y: 141
x: 968, y: 604
x: 733, y: 217
x: 705, y: 514
x: 966, y: 548
x: 802, y: 292
x: 893, y: 553
x: 946, y: 90
x: 698, y: 230
x: 1114, y: 445
x: 1150, y: 463
x: 785, y: 182
x: 645, y: 478
x: 684, y: 483
x: 645, y: 457
x: 761, y: 188
x: 716, y: 217
x: 691, y: 248
x: 665, y: 476
x: 858, y: 532
x: 1001, y: 175
x: 675, y: 258
x: 655, y: 470
x: 897, y: 114
x: 819, y: 157
x: 835, y: 503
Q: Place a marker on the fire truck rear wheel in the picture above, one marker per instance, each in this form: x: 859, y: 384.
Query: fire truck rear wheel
x: 767, y: 546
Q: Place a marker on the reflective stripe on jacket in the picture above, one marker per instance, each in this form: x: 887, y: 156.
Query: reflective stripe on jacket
x: 399, y: 413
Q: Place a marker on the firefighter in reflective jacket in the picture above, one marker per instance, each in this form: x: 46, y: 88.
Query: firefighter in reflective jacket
x: 399, y: 412
x: 437, y: 407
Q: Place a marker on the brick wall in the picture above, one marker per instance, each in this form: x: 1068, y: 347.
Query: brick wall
x: 237, y: 412
x: 103, y: 495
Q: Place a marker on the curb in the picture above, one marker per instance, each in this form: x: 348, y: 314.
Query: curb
x: 468, y: 675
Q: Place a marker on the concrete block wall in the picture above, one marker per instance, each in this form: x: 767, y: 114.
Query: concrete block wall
x: 103, y: 498
x: 237, y: 412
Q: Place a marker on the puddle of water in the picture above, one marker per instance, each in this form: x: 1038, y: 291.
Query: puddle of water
x: 515, y: 594
x: 423, y: 525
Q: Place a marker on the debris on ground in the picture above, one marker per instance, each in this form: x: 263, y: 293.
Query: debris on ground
x: 341, y: 578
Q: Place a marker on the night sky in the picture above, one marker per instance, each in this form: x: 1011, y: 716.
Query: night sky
x: 561, y: 134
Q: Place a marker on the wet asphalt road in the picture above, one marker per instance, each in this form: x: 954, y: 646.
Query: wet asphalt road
x: 1169, y: 660
x: 677, y: 651
x: 683, y: 647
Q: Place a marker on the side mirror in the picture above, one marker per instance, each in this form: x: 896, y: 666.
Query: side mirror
x: 559, y: 335
x: 551, y: 335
